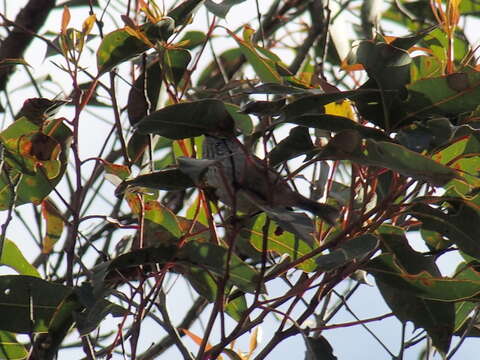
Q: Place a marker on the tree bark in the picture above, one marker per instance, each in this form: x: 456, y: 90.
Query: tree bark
x: 27, y: 23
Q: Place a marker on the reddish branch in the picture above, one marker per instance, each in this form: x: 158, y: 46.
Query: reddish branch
x: 27, y: 23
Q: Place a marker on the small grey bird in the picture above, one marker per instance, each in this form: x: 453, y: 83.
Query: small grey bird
x: 243, y: 181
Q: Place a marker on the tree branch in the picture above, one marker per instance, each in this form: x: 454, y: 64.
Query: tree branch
x: 27, y: 23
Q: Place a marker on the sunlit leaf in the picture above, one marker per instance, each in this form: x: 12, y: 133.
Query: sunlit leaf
x: 236, y: 305
x: 10, y: 348
x: 264, y: 67
x: 214, y: 258
x: 54, y: 225
x: 278, y: 241
x: 13, y: 258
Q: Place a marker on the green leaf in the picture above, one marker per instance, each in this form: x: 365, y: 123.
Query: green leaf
x: 265, y: 68
x: 242, y: 121
x: 388, y: 68
x: 159, y: 214
x: 168, y: 179
x: 462, y: 146
x: 27, y: 303
x: 121, y: 45
x: 146, y: 84
x: 10, y: 348
x: 448, y: 95
x: 281, y: 89
x: 422, y: 284
x: 394, y: 241
x: 95, y: 309
x: 176, y: 62
x: 116, y: 48
x: 462, y: 311
x: 192, y: 39
x: 214, y: 258
x: 236, y: 305
x: 356, y: 249
x: 39, y: 176
x: 406, y: 162
x: 184, y: 12
x: 221, y: 9
x: 279, y: 241
x: 12, y: 257
x: 436, y: 317
x: 459, y: 224
x: 298, y: 224
x: 336, y: 124
x: 61, y: 322
x: 190, y: 119
x: 202, y: 282
x: 112, y: 271
x: 298, y: 142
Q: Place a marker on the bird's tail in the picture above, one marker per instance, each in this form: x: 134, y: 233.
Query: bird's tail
x: 326, y: 212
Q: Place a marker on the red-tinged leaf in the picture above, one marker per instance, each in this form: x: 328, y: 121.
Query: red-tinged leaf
x: 422, y: 284
x: 397, y: 158
x: 159, y: 214
x: 54, y: 225
x: 37, y: 178
x: 122, y: 171
x: 406, y: 292
x: 65, y: 20
x: 264, y: 67
x: 444, y: 95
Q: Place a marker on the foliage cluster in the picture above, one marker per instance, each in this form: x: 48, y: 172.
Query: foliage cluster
x: 388, y: 135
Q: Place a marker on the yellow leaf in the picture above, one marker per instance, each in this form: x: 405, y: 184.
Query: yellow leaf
x: 343, y: 108
x: 88, y: 24
x: 54, y: 225
x: 255, y: 339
